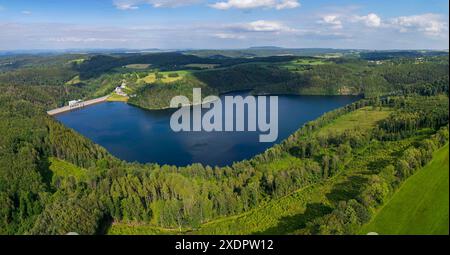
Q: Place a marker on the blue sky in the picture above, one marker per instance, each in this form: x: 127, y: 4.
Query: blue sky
x: 179, y: 24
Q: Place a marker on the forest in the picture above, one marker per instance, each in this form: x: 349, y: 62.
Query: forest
x: 55, y: 181
x: 338, y: 77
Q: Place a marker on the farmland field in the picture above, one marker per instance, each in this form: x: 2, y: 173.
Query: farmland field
x: 165, y: 77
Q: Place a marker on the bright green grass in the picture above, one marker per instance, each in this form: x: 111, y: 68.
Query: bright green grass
x: 77, y: 61
x: 151, y: 77
x: 283, y: 163
x: 65, y: 169
x: 421, y: 206
x: 74, y: 80
x: 365, y: 118
x: 311, y: 62
x: 117, y: 98
x: 138, y: 229
x: 293, y: 65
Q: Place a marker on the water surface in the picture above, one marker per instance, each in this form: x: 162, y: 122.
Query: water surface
x: 135, y: 134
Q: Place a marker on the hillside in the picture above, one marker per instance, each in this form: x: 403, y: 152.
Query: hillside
x: 420, y: 207
x: 146, y: 75
x: 305, y: 76
x: 326, y: 178
x: 303, y: 211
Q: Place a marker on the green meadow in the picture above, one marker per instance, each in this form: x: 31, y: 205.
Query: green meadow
x: 421, y: 204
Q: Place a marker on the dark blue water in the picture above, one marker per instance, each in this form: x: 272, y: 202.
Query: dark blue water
x: 135, y: 134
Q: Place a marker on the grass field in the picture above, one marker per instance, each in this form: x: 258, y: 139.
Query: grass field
x: 65, y: 169
x: 117, y: 98
x: 74, y: 80
x: 137, y: 66
x: 293, y: 65
x: 364, y: 118
x: 77, y: 61
x: 151, y: 78
x: 120, y: 228
x: 421, y: 205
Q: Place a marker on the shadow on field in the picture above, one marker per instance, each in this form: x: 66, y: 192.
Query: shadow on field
x: 291, y: 223
x: 375, y: 167
x: 346, y: 190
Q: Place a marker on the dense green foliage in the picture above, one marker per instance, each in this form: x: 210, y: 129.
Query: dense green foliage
x: 166, y: 61
x: 39, y: 195
x: 337, y: 77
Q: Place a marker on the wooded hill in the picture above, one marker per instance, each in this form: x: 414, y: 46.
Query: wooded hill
x: 54, y: 181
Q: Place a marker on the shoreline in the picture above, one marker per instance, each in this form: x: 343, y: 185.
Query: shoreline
x: 79, y: 106
x: 360, y: 96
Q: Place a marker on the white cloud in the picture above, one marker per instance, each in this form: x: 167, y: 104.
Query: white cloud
x: 333, y: 20
x: 426, y: 31
x: 263, y: 26
x: 252, y: 4
x: 336, y: 21
x: 26, y: 12
x: 73, y: 39
x: 429, y: 24
x: 370, y: 20
x: 125, y: 6
x: 134, y: 4
x: 228, y: 36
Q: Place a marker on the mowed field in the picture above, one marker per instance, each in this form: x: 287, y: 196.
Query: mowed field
x: 421, y: 205
x: 165, y: 76
x: 364, y: 119
x: 293, y: 65
x: 116, y: 98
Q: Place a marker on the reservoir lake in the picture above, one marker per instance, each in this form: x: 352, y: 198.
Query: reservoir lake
x: 134, y: 134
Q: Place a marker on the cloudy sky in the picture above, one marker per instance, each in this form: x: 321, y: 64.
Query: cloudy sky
x: 181, y: 24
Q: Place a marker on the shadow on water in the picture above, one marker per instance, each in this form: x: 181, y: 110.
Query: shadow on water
x: 289, y: 224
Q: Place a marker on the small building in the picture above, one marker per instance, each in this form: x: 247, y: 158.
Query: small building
x: 120, y: 92
x: 75, y: 103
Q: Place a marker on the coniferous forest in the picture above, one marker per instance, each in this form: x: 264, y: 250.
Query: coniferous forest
x: 331, y: 176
